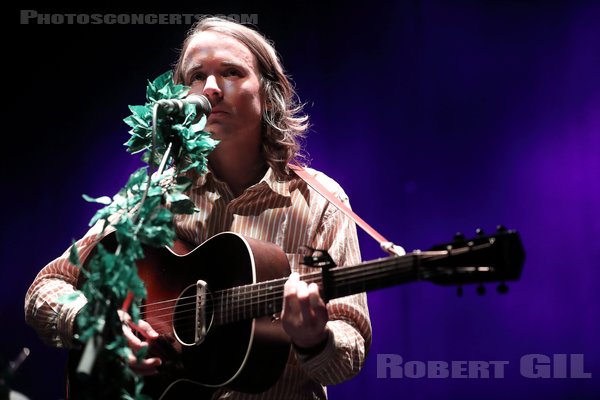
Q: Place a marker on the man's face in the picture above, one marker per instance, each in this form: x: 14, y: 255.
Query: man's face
x: 224, y: 70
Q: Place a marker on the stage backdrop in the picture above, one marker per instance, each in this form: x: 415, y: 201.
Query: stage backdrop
x: 436, y: 117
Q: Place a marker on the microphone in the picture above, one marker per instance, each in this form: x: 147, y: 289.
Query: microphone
x: 175, y: 107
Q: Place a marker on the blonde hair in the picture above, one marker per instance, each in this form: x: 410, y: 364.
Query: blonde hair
x: 284, y: 121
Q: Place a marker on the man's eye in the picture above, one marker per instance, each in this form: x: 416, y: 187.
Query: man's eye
x: 197, y: 77
x: 232, y: 72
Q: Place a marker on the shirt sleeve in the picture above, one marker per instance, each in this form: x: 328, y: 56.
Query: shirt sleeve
x: 51, y: 319
x: 349, y: 324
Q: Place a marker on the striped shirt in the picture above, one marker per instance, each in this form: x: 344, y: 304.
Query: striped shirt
x: 288, y: 213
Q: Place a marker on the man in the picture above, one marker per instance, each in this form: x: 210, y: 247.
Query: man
x: 248, y: 189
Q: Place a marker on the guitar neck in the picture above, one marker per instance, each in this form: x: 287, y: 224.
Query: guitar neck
x: 486, y: 259
x: 266, y: 298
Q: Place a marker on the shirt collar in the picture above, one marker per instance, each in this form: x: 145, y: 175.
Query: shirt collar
x: 281, y: 187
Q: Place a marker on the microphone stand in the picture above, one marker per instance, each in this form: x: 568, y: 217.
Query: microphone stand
x: 92, y: 348
x: 7, y: 374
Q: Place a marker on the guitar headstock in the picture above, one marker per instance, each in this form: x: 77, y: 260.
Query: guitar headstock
x: 498, y: 257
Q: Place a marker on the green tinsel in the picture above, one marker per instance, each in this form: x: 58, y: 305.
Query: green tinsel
x: 112, y: 275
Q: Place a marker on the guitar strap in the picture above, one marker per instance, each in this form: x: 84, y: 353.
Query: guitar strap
x: 310, y: 180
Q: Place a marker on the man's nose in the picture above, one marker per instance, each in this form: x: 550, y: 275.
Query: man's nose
x: 211, y: 88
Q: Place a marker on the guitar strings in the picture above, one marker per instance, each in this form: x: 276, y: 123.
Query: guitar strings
x: 270, y: 293
x: 234, y: 309
x: 273, y: 290
x: 189, y: 324
x: 338, y: 271
x: 265, y: 289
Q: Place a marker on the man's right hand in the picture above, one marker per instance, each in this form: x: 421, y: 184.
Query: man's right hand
x: 146, y: 366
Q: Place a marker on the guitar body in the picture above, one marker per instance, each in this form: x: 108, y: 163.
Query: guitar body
x: 247, y: 355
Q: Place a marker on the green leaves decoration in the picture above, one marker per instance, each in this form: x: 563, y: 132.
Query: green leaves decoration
x: 192, y: 143
x: 141, y: 214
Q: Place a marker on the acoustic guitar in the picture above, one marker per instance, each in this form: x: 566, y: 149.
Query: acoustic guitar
x: 214, y: 304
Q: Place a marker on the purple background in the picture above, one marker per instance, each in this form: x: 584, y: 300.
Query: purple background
x: 435, y: 117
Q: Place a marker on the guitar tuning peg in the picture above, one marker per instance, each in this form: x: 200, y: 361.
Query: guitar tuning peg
x: 501, y: 228
x: 481, y: 289
x: 459, y: 236
x: 502, y: 288
x: 459, y: 291
x: 479, y: 232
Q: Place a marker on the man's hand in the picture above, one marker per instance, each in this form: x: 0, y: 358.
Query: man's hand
x: 304, y: 316
x: 145, y: 366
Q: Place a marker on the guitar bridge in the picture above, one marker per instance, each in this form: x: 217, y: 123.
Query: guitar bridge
x: 189, y: 317
x: 200, y: 331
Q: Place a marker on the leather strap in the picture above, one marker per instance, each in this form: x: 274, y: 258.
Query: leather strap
x: 310, y: 180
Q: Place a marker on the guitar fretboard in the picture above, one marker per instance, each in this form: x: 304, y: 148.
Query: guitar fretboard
x: 266, y: 298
